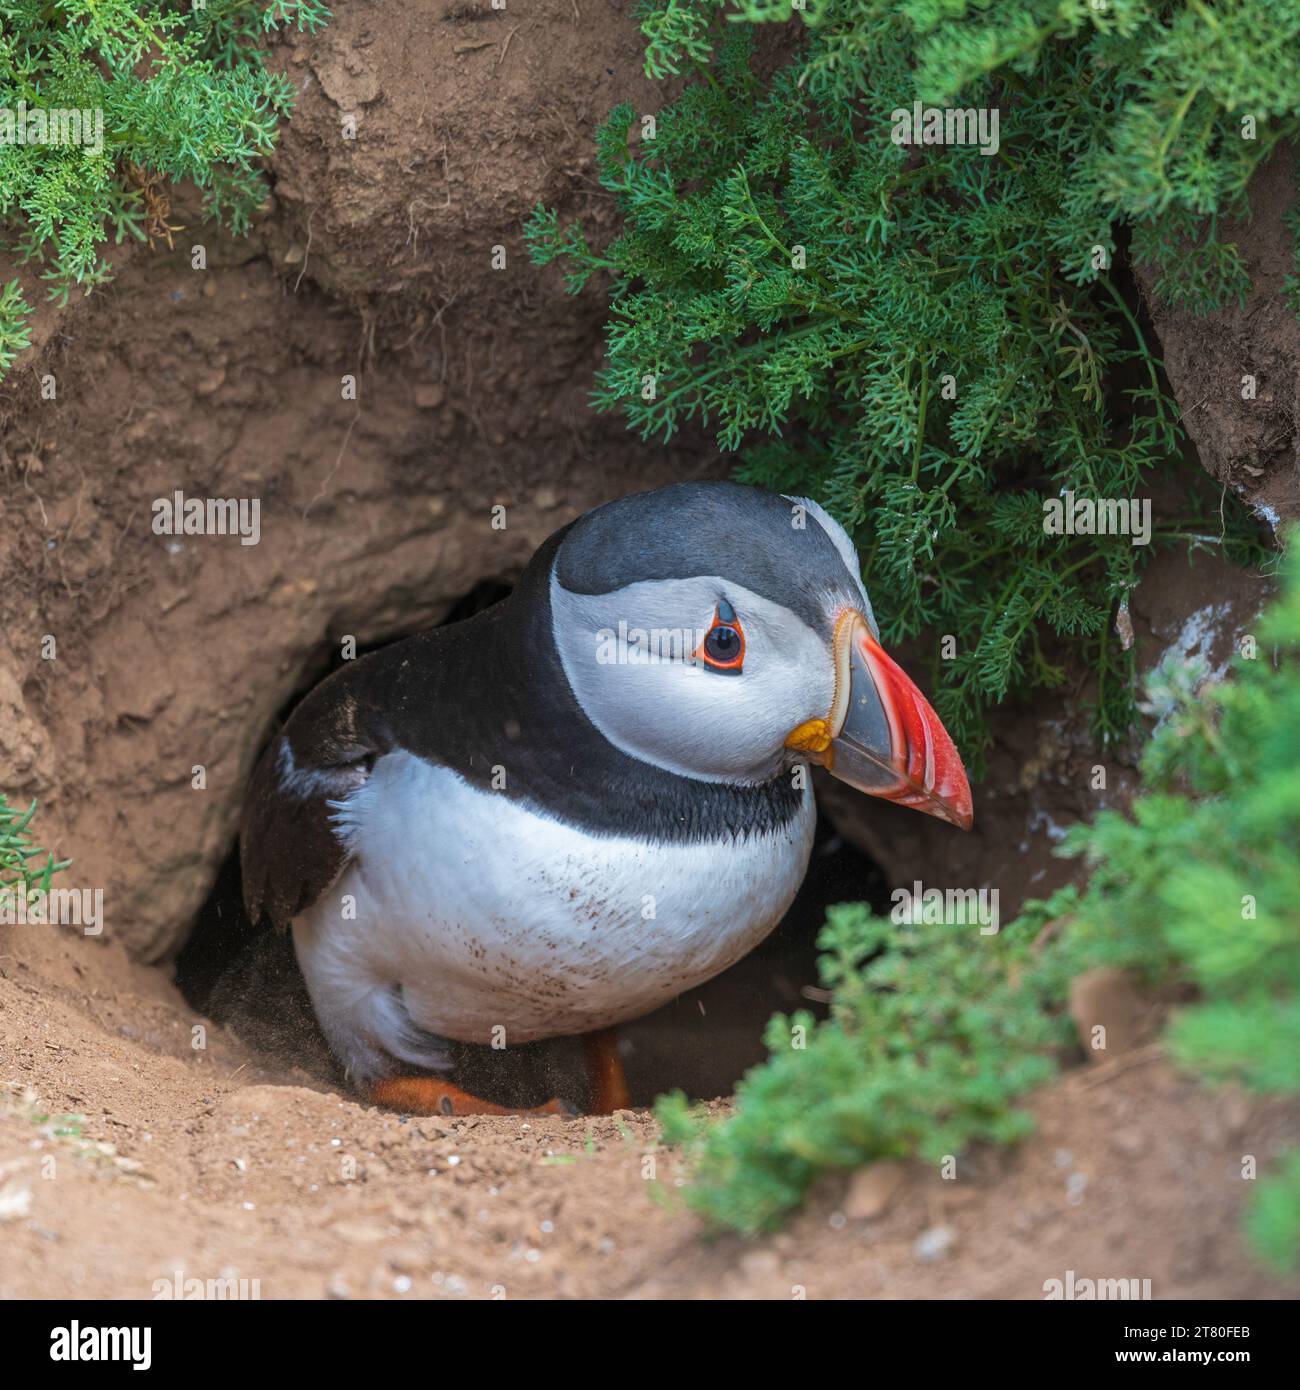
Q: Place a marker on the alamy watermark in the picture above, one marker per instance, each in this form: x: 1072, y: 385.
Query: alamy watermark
x: 652, y: 646
x: 1068, y: 515
x: 228, y: 1289
x: 37, y: 125
x: 179, y: 515
x: 77, y: 1343
x: 958, y: 907
x: 58, y: 907
x: 946, y: 125
x: 1074, y: 1288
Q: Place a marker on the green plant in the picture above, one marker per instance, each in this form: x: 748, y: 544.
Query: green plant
x: 936, y: 1032
x: 14, y: 335
x: 935, y: 340
x: 1166, y: 108
x: 162, y: 92
x: 1200, y: 884
x: 932, y: 1039
x: 19, y: 873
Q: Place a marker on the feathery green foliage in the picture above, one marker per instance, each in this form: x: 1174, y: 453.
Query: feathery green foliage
x: 936, y: 1031
x: 1201, y: 884
x: 19, y: 873
x: 14, y: 334
x: 929, y: 1045
x: 932, y: 339
x: 162, y: 93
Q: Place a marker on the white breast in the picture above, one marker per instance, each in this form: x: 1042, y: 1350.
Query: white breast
x: 491, y: 916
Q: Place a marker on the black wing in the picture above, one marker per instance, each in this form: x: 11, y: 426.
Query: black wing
x: 289, y: 849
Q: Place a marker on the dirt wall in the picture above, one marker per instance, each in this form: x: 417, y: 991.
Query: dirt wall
x: 1235, y: 373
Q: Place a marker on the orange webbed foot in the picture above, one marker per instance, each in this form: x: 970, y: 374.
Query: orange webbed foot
x: 605, y: 1069
x: 430, y: 1095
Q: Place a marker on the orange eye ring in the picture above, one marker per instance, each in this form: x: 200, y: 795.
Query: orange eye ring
x: 723, y: 648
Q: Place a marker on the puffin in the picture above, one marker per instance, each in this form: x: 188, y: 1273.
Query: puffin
x: 552, y: 817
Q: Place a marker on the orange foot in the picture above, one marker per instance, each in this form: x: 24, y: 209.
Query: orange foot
x: 605, y: 1069
x: 429, y: 1095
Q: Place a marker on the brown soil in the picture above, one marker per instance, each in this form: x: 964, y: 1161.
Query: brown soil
x: 472, y: 389
x: 178, y: 652
x: 1247, y: 440
x: 127, y: 1155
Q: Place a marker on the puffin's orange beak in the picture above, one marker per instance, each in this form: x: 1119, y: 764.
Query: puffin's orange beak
x: 881, y: 735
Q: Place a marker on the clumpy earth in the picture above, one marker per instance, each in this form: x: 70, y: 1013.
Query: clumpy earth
x: 1234, y: 372
x: 378, y: 415
x: 132, y: 1161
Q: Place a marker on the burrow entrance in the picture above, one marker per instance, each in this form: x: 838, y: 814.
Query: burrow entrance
x: 702, y: 1042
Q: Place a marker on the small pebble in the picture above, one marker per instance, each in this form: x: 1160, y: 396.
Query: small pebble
x: 935, y: 1243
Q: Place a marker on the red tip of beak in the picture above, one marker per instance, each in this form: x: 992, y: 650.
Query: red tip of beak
x: 932, y: 778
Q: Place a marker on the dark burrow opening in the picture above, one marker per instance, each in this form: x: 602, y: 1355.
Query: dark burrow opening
x: 702, y: 1042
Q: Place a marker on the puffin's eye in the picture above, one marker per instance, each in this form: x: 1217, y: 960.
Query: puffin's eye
x: 723, y: 647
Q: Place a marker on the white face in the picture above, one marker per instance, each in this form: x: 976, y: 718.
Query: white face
x: 632, y: 660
